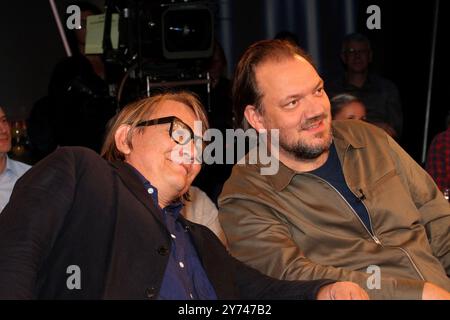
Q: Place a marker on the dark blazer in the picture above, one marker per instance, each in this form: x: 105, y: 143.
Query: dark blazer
x: 75, y: 208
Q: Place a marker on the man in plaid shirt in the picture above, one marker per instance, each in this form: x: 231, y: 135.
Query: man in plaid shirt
x: 438, y: 160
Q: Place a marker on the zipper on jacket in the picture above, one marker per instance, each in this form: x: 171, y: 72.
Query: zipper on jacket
x: 379, y: 242
x: 370, y: 219
x: 412, y: 262
x: 370, y: 232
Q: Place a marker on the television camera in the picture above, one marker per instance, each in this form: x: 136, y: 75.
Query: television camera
x: 162, y: 44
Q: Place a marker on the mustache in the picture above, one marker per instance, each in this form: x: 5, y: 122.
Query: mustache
x: 309, y: 122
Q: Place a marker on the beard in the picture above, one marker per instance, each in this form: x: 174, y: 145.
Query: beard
x: 304, y: 149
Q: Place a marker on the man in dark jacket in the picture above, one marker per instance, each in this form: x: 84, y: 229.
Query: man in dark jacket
x: 80, y: 227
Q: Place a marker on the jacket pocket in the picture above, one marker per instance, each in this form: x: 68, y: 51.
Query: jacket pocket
x: 383, y: 179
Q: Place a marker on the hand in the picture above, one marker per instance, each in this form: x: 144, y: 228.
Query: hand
x: 433, y: 292
x: 342, y: 291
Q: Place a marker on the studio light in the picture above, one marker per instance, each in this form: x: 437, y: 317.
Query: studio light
x: 187, y: 32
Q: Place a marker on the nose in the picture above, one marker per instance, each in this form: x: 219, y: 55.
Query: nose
x: 187, y: 152
x: 313, y: 107
x: 197, y: 150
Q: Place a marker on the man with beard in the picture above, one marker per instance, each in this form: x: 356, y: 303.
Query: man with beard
x: 80, y: 226
x: 347, y: 202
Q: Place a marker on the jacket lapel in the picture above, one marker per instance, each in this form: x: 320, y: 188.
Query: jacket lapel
x: 213, y: 258
x: 208, y: 256
x: 132, y: 182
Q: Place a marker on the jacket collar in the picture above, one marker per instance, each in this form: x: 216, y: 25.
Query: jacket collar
x: 344, y: 137
x: 132, y: 181
x: 343, y: 140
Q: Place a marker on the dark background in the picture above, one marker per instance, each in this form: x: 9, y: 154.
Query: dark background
x: 31, y: 47
x: 402, y: 51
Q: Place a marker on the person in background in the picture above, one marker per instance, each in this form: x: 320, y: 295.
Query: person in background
x: 78, y: 104
x: 345, y: 106
x: 438, y: 159
x: 379, y: 95
x: 80, y: 226
x: 10, y: 170
x: 78, y: 45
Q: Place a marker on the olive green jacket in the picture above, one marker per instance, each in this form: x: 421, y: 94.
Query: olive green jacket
x: 297, y: 226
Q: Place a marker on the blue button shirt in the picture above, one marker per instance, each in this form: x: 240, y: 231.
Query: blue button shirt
x: 13, y: 171
x: 184, y: 277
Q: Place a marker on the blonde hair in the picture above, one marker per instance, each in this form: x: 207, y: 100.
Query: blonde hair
x: 139, y: 111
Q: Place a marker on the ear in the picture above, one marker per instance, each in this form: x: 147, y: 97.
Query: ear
x: 254, y: 117
x: 120, y: 137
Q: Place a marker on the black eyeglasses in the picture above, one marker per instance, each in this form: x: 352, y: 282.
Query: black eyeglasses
x: 179, y: 131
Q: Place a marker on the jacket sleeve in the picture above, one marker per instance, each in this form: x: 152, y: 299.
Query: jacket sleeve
x: 30, y: 222
x: 262, y: 241
x: 253, y: 285
x: 433, y: 207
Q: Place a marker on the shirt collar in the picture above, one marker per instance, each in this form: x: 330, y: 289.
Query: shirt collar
x: 174, y: 207
x: 10, y: 167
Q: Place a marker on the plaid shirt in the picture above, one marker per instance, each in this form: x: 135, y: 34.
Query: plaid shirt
x: 438, y: 160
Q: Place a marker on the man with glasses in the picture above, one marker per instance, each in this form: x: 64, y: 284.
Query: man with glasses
x: 379, y: 95
x: 82, y: 227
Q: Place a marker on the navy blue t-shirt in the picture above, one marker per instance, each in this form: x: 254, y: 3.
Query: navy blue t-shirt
x: 331, y: 171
